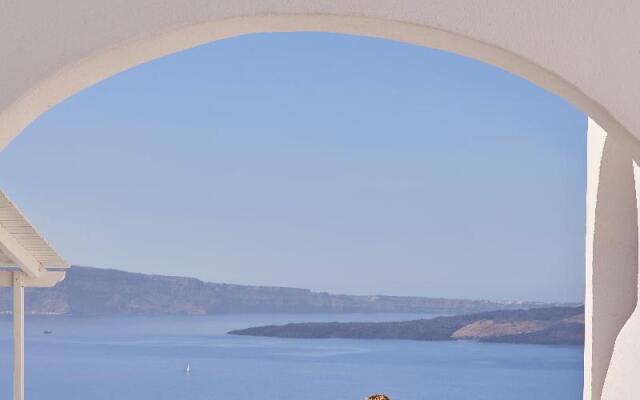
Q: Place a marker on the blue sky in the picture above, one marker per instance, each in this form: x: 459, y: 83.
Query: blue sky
x: 331, y: 162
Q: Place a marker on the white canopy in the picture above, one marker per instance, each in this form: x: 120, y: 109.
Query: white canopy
x: 22, y: 247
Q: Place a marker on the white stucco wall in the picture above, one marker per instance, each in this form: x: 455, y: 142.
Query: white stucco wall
x: 587, y: 51
x: 611, y: 268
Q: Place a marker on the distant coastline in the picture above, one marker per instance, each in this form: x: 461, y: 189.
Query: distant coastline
x: 104, y: 292
x: 554, y: 325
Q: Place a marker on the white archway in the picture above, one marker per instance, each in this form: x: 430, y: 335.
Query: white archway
x: 583, y: 51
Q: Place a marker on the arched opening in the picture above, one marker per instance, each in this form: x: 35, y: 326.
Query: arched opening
x: 141, y: 148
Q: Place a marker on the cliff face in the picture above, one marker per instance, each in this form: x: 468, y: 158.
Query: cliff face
x: 556, y: 325
x: 94, y: 291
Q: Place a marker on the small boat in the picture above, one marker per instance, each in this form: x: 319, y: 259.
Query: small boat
x: 47, y: 332
x: 188, y: 370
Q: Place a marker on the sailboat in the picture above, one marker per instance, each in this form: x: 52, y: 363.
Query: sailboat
x: 188, y: 370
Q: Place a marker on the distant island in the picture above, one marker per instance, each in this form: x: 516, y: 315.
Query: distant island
x: 554, y: 325
x: 101, y: 292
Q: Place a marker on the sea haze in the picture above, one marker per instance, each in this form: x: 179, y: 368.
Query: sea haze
x: 144, y: 358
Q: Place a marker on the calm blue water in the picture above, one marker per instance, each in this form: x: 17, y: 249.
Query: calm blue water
x: 144, y: 358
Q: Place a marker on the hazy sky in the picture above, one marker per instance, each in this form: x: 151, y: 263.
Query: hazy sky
x: 336, y: 163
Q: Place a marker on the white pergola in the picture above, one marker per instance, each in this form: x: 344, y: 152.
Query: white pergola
x: 27, y: 261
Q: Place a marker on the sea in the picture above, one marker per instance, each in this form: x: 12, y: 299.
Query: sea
x: 145, y: 358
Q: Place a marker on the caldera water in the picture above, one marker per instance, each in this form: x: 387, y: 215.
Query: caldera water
x: 145, y: 358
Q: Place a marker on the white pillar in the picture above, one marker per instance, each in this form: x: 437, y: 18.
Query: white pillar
x: 18, y: 337
x: 611, y: 255
x: 623, y: 376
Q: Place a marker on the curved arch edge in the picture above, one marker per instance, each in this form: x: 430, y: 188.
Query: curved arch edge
x: 126, y: 55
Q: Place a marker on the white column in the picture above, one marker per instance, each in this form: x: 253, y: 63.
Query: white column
x: 18, y: 337
x: 611, y: 255
x: 623, y: 377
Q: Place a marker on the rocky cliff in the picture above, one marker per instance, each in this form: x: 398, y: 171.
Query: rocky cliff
x: 555, y: 325
x: 94, y: 291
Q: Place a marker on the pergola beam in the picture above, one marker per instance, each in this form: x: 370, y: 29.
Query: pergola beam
x: 47, y: 279
x: 19, y: 255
